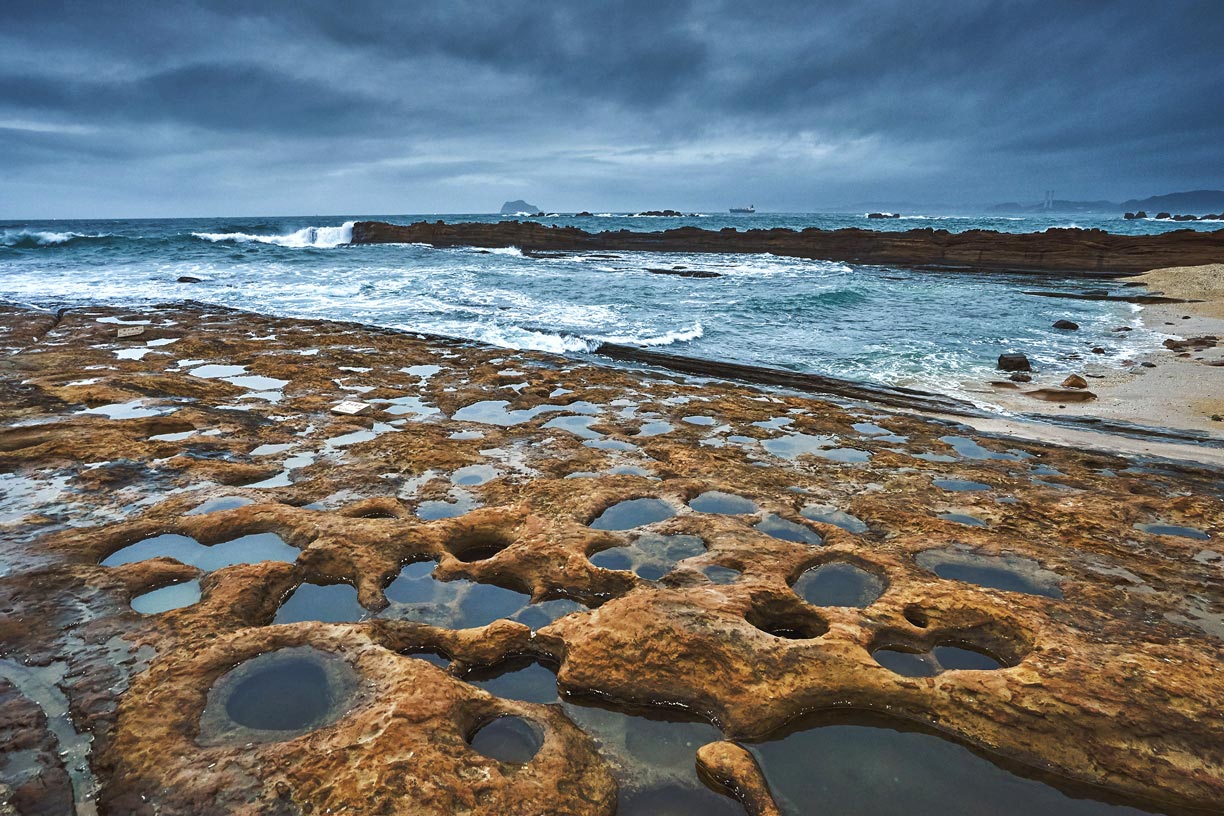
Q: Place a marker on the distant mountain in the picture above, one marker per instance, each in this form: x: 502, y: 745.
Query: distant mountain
x: 1195, y: 202
x: 519, y: 206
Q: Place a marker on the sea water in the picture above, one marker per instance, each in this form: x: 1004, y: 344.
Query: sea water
x: 876, y: 323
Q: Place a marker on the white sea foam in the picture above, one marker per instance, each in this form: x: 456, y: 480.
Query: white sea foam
x: 317, y: 237
x: 31, y: 238
x: 665, y: 339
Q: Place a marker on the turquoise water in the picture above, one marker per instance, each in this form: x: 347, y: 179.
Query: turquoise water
x: 872, y: 323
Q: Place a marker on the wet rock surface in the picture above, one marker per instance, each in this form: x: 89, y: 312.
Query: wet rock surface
x: 1093, y: 584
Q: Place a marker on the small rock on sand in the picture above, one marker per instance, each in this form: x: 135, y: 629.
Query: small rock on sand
x: 1075, y: 381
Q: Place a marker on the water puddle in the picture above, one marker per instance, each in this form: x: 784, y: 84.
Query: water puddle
x: 1010, y: 573
x: 781, y: 528
x: 135, y: 409
x: 633, y: 513
x: 828, y: 514
x: 793, y: 446
x: 1173, y: 530
x: 39, y: 684
x: 578, y: 425
x: 959, y: 485
x: 422, y: 371
x: 655, y: 428
x: 277, y: 696
x: 507, y: 739
x: 839, y: 584
x: 714, y: 501
x: 417, y: 595
x: 650, y: 556
x: 964, y: 518
x: 174, y: 596
x: 214, y: 371
x: 651, y: 753
x: 493, y: 412
x: 436, y: 509
x: 249, y: 549
x: 334, y: 603
x: 473, y: 475
x: 855, y: 765
x: 410, y: 405
x: 699, y: 419
x: 969, y: 449
x: 272, y: 450
x: 721, y: 575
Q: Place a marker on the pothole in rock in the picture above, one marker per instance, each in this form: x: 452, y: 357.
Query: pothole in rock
x: 220, y: 503
x: 780, y: 528
x: 1010, y: 573
x: 632, y: 513
x: 434, y: 657
x: 852, y: 456
x: 436, y: 509
x: 787, y: 621
x: 1173, y: 530
x: 720, y: 574
x: 333, y: 603
x: 650, y: 751
x: 715, y: 501
x: 580, y: 426
x: 910, y: 661
x: 654, y: 428
x: 175, y: 596
x: 959, y: 485
x: 838, y: 583
x: 508, y: 738
x: 277, y: 696
x: 248, y: 549
x: 415, y: 594
x: 479, y: 545
x: 650, y: 556
x: 829, y: 514
x: 861, y: 765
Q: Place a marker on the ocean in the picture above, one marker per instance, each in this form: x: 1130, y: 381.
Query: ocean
x: 927, y: 330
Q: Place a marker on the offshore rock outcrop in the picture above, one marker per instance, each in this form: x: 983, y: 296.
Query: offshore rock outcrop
x: 1106, y: 646
x: 1078, y: 251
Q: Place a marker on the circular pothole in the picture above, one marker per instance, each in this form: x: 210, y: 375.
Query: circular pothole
x: 507, y: 738
x: 788, y: 623
x: 479, y: 546
x: 839, y: 584
x: 278, y: 695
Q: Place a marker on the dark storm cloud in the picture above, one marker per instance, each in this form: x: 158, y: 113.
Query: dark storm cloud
x: 366, y: 106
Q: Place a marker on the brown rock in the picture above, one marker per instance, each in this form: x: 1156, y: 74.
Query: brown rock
x: 1021, y: 377
x: 1014, y: 362
x: 1062, y: 394
x: 733, y: 768
x: 1075, y: 381
x: 1055, y: 250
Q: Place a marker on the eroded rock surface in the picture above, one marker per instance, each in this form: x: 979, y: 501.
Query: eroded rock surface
x: 1113, y: 681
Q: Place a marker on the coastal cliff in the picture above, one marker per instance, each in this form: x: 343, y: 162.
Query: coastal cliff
x: 1079, y: 251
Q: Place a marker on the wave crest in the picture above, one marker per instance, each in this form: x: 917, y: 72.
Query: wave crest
x: 317, y: 237
x: 665, y: 339
x: 33, y: 239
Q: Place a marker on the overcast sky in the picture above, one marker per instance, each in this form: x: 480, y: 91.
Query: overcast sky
x: 235, y: 108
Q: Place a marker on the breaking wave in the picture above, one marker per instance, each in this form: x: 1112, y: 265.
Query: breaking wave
x: 317, y: 237
x: 32, y: 239
x: 665, y: 339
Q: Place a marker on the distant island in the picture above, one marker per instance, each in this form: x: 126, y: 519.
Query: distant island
x: 519, y: 206
x: 1199, y: 202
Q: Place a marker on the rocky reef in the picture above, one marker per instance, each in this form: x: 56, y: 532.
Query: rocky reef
x: 1079, y: 251
x: 221, y: 595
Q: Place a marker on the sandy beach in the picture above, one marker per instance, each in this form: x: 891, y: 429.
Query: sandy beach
x: 1178, y: 388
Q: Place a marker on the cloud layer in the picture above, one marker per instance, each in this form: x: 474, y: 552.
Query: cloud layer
x: 212, y: 108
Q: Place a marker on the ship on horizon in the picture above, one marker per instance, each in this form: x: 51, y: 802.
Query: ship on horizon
x: 751, y: 208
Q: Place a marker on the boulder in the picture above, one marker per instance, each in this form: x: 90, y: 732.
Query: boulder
x: 1020, y: 376
x: 1014, y: 362
x: 1066, y: 325
x: 1163, y: 215
x: 1130, y: 216
x: 1098, y: 350
x: 1075, y: 381
x: 189, y: 279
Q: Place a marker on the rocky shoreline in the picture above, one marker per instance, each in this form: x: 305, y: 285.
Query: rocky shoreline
x: 1084, y: 587
x: 1061, y: 251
